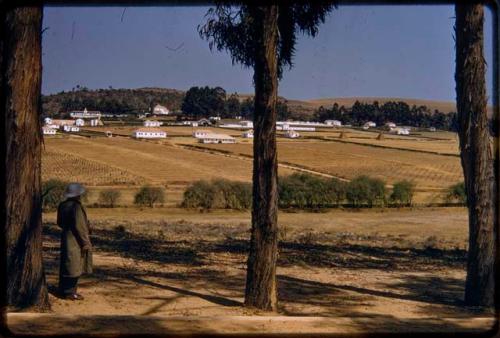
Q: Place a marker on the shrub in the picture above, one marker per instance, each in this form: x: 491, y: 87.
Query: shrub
x: 199, y: 195
x: 402, y: 193
x: 109, y: 197
x: 52, y: 193
x: 302, y: 190
x: 148, y: 196
x: 456, y: 193
x: 366, y: 190
x: 218, y: 194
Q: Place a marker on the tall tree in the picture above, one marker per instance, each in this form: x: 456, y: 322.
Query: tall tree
x: 20, y: 81
x: 263, y: 37
x: 479, y: 161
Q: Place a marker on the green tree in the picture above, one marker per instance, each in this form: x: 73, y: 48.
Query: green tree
x: 456, y: 193
x: 402, y: 193
x: 148, y: 196
x: 204, y: 101
x: 109, y: 197
x: 53, y: 193
x: 262, y: 37
x: 232, y: 107
x: 366, y: 190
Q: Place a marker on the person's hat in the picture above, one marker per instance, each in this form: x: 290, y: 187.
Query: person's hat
x: 73, y: 190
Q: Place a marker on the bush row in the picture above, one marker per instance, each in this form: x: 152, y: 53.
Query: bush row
x: 53, y: 194
x: 299, y: 190
x: 218, y: 194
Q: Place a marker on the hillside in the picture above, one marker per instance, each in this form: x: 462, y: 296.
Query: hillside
x: 120, y: 100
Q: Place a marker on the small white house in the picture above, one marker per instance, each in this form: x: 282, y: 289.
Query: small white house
x: 201, y: 133
x: 160, y: 110
x: 149, y: 133
x: 246, y: 124
x: 152, y: 123
x: 248, y: 134
x: 369, y: 124
x: 433, y: 129
x: 214, y: 118
x: 217, y: 138
x: 71, y: 129
x: 47, y: 120
x: 96, y: 122
x: 48, y: 131
x: 400, y: 131
x: 292, y: 134
x: 63, y: 122
x: 334, y: 123
x: 390, y: 124
x: 79, y: 122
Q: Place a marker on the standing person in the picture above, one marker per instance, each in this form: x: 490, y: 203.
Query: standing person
x: 76, y: 249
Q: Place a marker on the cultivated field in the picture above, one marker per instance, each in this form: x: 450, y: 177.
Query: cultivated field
x: 347, y: 160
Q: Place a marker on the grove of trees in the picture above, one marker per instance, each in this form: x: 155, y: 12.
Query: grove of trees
x: 398, y: 112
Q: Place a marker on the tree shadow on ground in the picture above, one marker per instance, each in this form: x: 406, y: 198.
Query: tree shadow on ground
x: 327, y: 299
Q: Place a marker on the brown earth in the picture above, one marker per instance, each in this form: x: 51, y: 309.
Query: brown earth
x: 374, y: 270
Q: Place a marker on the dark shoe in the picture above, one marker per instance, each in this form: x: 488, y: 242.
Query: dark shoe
x: 74, y: 296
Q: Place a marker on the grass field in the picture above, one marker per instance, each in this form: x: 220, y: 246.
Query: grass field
x: 125, y: 164
x: 91, y: 160
x: 346, y: 160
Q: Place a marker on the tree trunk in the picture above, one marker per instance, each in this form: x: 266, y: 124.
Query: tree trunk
x: 260, y: 289
x: 479, y: 161
x: 20, y: 80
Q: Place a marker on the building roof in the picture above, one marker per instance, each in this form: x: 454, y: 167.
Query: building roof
x: 218, y: 136
x: 150, y: 130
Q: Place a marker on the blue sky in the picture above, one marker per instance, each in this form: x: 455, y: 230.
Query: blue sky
x: 391, y: 51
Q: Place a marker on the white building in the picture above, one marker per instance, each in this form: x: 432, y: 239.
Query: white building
x: 79, y: 122
x: 291, y: 134
x: 152, y: 123
x: 85, y: 114
x: 149, y: 133
x: 289, y: 127
x: 400, y: 131
x: 335, y: 123
x: 71, y: 129
x: 369, y: 124
x: 214, y: 118
x: 432, y: 129
x: 201, y: 133
x: 246, y: 124
x: 63, y: 122
x: 96, y: 122
x: 217, y: 138
x: 390, y: 124
x: 160, y: 110
x: 248, y: 134
x: 47, y: 120
x: 48, y: 131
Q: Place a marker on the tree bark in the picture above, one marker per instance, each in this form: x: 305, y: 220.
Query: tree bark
x: 21, y: 73
x: 479, y: 161
x: 260, y: 289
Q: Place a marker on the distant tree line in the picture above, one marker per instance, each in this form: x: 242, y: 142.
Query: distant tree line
x: 111, y: 101
x: 213, y: 101
x: 398, y: 112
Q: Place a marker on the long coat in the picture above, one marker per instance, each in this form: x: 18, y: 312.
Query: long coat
x: 76, y: 249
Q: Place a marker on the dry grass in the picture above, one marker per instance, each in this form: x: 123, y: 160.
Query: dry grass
x: 57, y: 163
x: 428, y: 171
x: 158, y: 164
